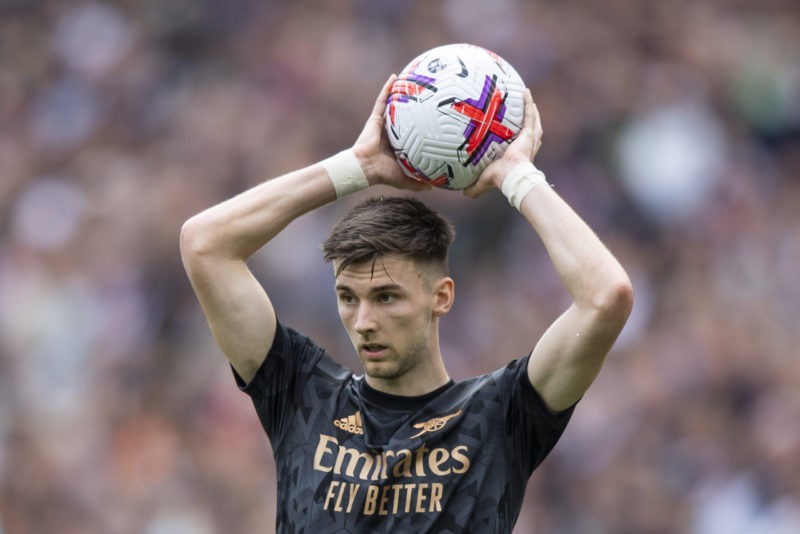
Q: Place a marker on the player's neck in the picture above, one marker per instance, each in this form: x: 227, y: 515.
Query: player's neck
x: 400, y: 402
x: 418, y: 381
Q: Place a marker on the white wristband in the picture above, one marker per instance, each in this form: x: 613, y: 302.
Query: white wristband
x: 520, y: 181
x: 345, y: 173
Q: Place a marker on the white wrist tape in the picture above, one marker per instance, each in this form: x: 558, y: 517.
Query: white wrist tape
x: 520, y: 181
x: 345, y: 173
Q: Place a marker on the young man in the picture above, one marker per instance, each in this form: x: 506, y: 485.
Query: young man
x: 402, y: 448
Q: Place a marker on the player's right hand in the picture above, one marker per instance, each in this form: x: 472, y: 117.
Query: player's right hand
x: 374, y: 153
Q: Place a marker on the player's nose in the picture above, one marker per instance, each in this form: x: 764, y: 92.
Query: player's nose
x: 364, y: 319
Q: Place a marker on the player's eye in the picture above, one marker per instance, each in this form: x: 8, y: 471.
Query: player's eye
x: 347, y: 298
x: 387, y: 298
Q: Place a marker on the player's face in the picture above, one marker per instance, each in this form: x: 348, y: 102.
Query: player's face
x: 390, y: 311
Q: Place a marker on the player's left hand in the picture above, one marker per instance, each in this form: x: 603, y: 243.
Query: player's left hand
x: 523, y: 148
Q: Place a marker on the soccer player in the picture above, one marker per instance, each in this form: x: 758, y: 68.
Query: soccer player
x: 402, y: 448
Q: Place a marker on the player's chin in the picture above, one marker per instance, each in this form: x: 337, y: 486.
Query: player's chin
x: 380, y: 369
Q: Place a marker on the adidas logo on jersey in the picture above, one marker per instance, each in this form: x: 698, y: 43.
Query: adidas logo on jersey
x: 351, y: 423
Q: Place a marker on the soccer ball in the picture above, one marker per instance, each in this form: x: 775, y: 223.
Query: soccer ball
x: 451, y: 112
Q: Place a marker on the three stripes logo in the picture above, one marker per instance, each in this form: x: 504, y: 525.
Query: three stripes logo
x: 351, y: 423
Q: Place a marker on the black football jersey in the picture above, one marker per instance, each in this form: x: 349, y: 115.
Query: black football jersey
x: 352, y: 459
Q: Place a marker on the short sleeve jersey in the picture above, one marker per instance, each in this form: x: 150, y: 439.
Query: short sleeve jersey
x: 352, y: 459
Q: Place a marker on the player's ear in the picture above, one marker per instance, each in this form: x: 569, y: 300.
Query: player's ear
x: 443, y: 295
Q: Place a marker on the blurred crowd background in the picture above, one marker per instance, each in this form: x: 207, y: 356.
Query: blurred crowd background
x: 672, y: 127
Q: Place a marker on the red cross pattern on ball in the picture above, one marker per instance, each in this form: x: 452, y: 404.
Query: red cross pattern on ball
x: 485, y: 116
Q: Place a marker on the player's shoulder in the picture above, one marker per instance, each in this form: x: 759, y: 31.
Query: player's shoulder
x: 513, y: 370
x: 493, y: 383
x: 293, y: 346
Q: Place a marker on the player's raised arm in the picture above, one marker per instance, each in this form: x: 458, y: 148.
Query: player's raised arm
x: 216, y: 243
x: 569, y: 355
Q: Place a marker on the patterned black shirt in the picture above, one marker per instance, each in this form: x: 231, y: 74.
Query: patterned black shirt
x: 352, y: 459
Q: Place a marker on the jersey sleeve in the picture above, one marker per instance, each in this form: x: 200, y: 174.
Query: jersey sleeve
x: 280, y: 386
x: 534, y: 428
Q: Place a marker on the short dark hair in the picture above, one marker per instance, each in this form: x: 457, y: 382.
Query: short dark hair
x: 382, y: 226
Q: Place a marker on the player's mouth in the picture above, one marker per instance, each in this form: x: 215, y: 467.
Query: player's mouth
x: 372, y: 351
